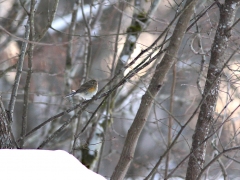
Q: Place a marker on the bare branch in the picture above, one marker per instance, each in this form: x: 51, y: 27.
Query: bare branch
x: 29, y: 73
x: 154, y: 87
x: 19, y: 72
x: 205, y: 118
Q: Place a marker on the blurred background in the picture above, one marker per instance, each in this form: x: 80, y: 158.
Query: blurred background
x: 77, y: 41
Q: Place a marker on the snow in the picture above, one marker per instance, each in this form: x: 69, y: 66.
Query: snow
x: 124, y: 59
x: 43, y: 164
x: 96, y: 141
x: 234, y: 5
x: 132, y: 39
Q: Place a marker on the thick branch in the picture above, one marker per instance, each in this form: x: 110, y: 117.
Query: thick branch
x: 154, y: 87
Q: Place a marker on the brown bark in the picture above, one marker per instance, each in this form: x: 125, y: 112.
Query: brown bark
x: 205, y: 118
x: 5, y: 131
x: 154, y: 87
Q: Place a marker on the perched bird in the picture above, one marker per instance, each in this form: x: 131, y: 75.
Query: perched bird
x: 86, y: 90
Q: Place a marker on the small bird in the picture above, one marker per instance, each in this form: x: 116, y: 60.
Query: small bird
x: 86, y: 90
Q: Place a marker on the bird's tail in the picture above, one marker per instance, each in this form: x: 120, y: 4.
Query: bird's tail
x: 70, y: 95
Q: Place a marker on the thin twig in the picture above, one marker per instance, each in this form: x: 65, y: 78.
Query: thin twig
x: 204, y: 141
x: 29, y: 74
x: 183, y: 127
x: 19, y: 72
x: 88, y: 45
x: 65, y: 124
x: 170, y: 123
x: 216, y: 158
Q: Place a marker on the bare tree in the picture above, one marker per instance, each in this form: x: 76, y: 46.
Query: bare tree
x: 154, y: 87
x: 140, y: 123
x: 211, y: 89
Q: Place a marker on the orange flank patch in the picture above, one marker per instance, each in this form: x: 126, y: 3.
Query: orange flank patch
x: 92, y: 89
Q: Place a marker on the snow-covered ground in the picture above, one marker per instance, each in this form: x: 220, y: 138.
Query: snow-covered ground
x: 43, y: 165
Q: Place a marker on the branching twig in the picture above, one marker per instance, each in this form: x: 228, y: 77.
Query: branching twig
x: 65, y: 124
x: 205, y: 118
x: 216, y: 158
x: 154, y: 87
x: 183, y: 127
x: 204, y: 141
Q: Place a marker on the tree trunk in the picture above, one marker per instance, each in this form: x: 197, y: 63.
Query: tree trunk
x: 5, y: 131
x: 153, y: 89
x: 205, y: 118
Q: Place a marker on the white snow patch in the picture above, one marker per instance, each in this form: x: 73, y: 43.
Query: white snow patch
x: 96, y: 141
x: 132, y: 38
x: 233, y: 6
x: 124, y: 59
x: 43, y: 164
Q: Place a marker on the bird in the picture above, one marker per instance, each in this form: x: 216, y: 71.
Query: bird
x: 86, y: 90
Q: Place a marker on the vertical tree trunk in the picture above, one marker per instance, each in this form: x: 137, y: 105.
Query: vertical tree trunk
x: 5, y: 131
x: 205, y: 118
x: 153, y: 89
